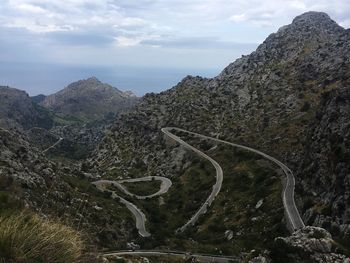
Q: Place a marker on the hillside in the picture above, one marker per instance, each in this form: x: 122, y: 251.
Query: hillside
x: 290, y: 99
x: 88, y: 100
x: 19, y: 112
x: 29, y: 180
x: 268, y: 100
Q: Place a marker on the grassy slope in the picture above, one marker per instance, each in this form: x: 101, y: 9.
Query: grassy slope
x: 28, y: 238
x: 143, y: 188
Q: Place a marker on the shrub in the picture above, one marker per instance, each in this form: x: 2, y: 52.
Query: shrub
x: 305, y: 107
x: 28, y: 238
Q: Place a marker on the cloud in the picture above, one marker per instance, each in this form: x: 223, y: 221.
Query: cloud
x: 89, y: 31
x: 198, y: 43
x: 128, y: 41
x: 238, y: 18
x: 133, y: 22
x: 186, y: 34
x: 30, y: 8
x: 268, y: 12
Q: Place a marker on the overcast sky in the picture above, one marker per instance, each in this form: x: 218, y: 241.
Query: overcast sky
x: 143, y: 45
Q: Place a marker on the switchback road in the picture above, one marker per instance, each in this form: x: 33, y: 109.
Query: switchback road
x: 292, y: 213
x: 138, y: 214
x: 140, y: 217
x: 216, y: 188
x: 164, y: 187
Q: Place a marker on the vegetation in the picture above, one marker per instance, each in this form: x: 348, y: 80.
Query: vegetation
x: 143, y: 188
x: 28, y: 238
x: 248, y: 179
x: 113, y: 216
x: 184, y: 198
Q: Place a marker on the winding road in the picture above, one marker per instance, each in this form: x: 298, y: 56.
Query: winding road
x: 292, y: 213
x: 138, y: 214
x: 293, y: 218
x: 53, y: 146
x: 206, y: 258
x: 216, y: 188
x: 164, y: 187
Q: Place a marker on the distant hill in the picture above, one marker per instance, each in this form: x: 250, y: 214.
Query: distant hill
x: 89, y: 99
x: 17, y: 110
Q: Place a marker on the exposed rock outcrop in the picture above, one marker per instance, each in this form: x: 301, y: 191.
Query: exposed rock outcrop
x: 325, y: 168
x: 311, y: 244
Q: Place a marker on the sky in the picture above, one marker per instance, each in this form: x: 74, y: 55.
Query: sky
x: 143, y: 45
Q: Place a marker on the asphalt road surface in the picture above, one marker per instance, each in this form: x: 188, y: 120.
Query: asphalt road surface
x: 164, y: 187
x: 291, y: 210
x: 216, y: 188
x: 138, y: 214
x: 205, y: 258
x: 53, y: 146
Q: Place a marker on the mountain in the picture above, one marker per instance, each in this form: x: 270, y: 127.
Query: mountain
x: 38, y: 98
x: 18, y: 111
x: 89, y: 99
x: 267, y: 99
x: 288, y: 98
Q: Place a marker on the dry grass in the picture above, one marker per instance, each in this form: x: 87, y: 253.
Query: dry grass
x: 28, y: 238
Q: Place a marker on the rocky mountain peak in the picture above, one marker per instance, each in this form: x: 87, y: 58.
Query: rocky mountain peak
x: 310, y: 26
x: 312, y: 17
x: 315, y: 20
x: 89, y: 99
x: 308, y: 36
x: 92, y: 80
x: 91, y: 83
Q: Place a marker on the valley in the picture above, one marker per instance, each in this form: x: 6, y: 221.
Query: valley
x: 248, y: 166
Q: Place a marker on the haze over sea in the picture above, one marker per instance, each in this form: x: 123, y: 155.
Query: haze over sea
x: 46, y: 79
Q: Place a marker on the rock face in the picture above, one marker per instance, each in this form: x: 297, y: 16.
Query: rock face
x: 311, y: 244
x: 325, y: 168
x: 89, y: 99
x: 22, y: 162
x: 18, y: 111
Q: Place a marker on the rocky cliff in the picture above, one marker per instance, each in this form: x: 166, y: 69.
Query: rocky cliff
x: 324, y: 166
